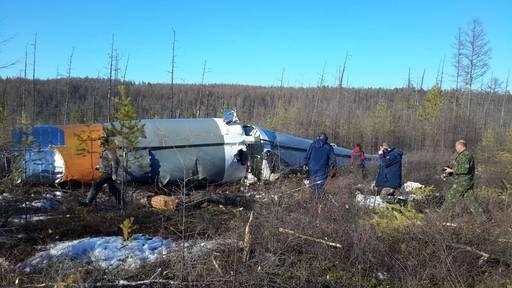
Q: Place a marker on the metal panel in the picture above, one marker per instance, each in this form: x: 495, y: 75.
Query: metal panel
x: 181, y: 148
x: 81, y: 152
x: 43, y: 136
x: 292, y: 149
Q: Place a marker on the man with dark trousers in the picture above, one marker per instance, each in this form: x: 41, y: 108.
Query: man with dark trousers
x: 108, y: 167
x: 389, y: 178
x: 318, y: 160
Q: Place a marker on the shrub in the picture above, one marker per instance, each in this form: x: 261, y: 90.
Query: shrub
x: 393, y: 221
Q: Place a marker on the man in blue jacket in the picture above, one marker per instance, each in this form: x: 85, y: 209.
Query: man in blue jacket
x: 318, y: 160
x: 389, y: 178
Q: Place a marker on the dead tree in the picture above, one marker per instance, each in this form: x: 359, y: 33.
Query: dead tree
x: 409, y: 84
x: 200, y: 100
x: 505, y: 93
x: 126, y: 68
x: 173, y: 59
x: 34, y: 79
x: 422, y: 79
x: 458, y: 46
x: 321, y: 84
x: 441, y: 77
x: 342, y: 72
x: 281, y: 81
x: 109, y: 93
x: 68, y: 92
x: 6, y: 65
x: 23, y: 88
x: 476, y: 54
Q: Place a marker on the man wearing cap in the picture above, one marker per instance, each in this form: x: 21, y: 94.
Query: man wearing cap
x: 317, y: 162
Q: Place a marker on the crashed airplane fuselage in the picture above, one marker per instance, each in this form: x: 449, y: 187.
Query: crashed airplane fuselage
x: 171, y: 150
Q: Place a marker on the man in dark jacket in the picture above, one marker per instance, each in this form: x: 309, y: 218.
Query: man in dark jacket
x: 389, y: 178
x: 318, y: 160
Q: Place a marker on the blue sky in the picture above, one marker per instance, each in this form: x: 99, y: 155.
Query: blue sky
x: 251, y: 42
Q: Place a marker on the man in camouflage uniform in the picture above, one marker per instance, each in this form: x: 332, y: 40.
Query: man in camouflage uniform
x: 462, y: 170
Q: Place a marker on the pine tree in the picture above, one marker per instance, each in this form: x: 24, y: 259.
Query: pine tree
x: 380, y: 124
x: 430, y: 114
x: 126, y: 131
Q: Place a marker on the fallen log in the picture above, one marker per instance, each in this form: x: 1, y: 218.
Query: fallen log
x: 167, y: 202
x: 310, y: 238
x: 484, y: 257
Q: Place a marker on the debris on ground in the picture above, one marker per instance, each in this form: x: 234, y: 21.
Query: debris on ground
x: 370, y: 200
x: 410, y: 186
x: 18, y: 219
x: 364, y: 197
x: 50, y: 200
x: 114, y: 253
x: 46, y: 203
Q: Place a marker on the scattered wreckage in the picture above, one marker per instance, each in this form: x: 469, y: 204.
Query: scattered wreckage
x: 213, y: 150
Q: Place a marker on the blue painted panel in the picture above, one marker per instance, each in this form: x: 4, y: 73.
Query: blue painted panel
x: 43, y: 136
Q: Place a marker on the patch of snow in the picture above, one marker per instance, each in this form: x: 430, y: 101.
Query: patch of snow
x: 370, y: 200
x: 48, y: 203
x: 410, y: 186
x: 18, y: 219
x: 113, y: 253
x: 103, y: 252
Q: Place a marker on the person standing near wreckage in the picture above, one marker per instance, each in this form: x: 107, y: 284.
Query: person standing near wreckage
x: 317, y: 162
x: 462, y: 170
x: 357, y: 160
x: 108, y: 167
x: 389, y: 178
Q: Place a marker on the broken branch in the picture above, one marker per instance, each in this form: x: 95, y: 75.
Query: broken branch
x: 247, y: 238
x: 484, y: 256
x: 309, y: 238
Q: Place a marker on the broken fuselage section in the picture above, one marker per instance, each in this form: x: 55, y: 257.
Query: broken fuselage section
x: 211, y: 150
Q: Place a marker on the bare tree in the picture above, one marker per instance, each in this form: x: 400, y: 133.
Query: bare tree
x: 173, y: 62
x: 23, y: 88
x: 200, y: 100
x: 126, y: 68
x: 68, y: 92
x: 458, y: 46
x: 422, y: 79
x: 7, y: 65
x: 505, y: 96
x: 281, y: 81
x: 476, y: 56
x: 409, y: 84
x: 342, y: 71
x: 34, y: 79
x: 441, y: 77
x: 109, y: 93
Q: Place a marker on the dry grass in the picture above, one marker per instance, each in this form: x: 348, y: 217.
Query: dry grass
x: 429, y: 254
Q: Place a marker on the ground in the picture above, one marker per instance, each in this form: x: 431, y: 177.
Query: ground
x: 377, y: 248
